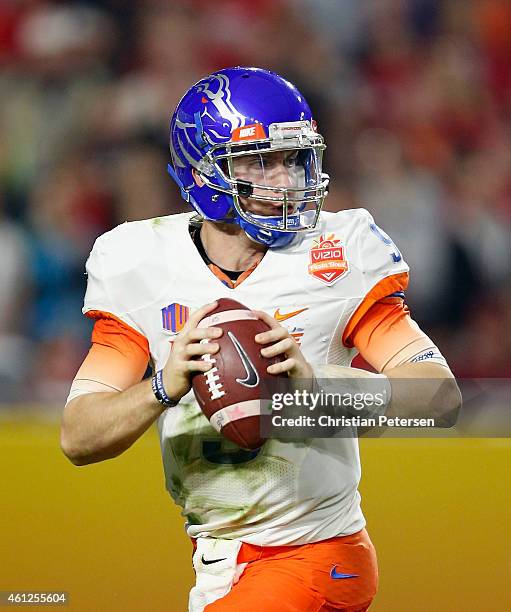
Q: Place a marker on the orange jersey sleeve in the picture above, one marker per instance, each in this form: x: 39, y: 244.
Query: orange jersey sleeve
x: 385, y: 288
x: 386, y: 336
x: 118, y: 356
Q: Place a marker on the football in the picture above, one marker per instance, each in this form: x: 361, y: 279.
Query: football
x: 229, y: 393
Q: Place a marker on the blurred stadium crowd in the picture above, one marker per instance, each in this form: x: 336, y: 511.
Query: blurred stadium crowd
x: 413, y: 96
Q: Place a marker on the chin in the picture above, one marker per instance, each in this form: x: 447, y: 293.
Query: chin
x: 275, y: 212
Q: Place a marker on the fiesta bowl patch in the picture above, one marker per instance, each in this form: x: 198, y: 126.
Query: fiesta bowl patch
x: 327, y: 260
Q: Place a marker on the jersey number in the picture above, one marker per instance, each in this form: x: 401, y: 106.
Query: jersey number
x: 385, y: 238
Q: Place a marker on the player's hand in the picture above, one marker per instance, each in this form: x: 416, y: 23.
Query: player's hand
x: 181, y: 364
x: 282, y: 343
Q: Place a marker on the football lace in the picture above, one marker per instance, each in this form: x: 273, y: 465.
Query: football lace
x: 212, y: 379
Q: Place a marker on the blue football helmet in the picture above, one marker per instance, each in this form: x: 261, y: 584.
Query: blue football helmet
x: 230, y: 136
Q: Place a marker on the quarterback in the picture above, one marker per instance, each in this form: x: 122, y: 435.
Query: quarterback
x: 279, y: 528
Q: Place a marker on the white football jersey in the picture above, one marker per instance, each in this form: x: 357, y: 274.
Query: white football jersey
x: 150, y: 275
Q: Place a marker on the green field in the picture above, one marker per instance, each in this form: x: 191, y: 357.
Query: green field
x: 438, y: 511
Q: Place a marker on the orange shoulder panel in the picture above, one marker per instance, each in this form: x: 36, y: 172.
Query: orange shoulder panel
x: 109, y: 330
x: 387, y: 286
x: 119, y: 354
x: 387, y: 336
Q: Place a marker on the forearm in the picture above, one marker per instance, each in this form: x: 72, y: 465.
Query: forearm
x: 99, y: 426
x: 424, y: 390
x: 417, y: 389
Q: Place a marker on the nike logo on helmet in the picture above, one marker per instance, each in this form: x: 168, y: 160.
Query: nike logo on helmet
x: 252, y: 377
x: 284, y: 317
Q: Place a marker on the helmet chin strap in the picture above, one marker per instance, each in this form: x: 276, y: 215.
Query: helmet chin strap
x: 274, y: 239
x: 184, y: 194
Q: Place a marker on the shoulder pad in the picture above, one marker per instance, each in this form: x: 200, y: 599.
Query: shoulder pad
x: 370, y: 249
x: 115, y: 268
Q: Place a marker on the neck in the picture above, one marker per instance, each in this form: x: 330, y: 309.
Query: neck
x: 229, y: 247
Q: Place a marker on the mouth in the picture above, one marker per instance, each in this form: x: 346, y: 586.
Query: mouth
x: 273, y: 211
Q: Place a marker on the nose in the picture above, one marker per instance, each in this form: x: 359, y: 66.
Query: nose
x: 279, y: 176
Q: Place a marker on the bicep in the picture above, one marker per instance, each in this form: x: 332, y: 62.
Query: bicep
x: 117, y: 359
x: 387, y: 337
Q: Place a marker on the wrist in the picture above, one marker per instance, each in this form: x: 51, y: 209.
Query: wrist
x: 159, y: 391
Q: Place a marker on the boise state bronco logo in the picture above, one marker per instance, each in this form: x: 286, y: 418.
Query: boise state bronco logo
x: 327, y: 260
x: 216, y: 98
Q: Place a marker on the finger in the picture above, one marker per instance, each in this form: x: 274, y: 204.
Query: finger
x: 199, y: 365
x: 199, y: 314
x: 203, y: 333
x: 272, y: 335
x: 201, y: 348
x: 197, y: 334
x: 270, y: 321
x: 282, y: 367
x: 284, y: 346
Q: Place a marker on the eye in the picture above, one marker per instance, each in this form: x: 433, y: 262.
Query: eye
x: 263, y: 162
x: 257, y: 162
x: 291, y: 160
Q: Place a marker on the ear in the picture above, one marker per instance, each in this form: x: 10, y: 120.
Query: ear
x: 197, y: 178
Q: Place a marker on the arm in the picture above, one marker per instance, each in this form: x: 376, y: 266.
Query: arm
x: 388, y: 339
x: 100, y: 424
x: 434, y: 393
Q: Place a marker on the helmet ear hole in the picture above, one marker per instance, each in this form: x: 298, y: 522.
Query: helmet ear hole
x: 197, y: 178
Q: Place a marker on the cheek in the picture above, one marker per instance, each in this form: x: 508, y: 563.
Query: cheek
x: 251, y: 205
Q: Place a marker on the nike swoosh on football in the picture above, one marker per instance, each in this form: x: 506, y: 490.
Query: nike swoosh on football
x: 283, y: 317
x: 210, y: 561
x: 252, y: 378
x: 338, y: 575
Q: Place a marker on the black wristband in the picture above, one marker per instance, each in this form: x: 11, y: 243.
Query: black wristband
x: 159, y: 391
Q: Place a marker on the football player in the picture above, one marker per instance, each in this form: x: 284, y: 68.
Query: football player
x: 268, y: 533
